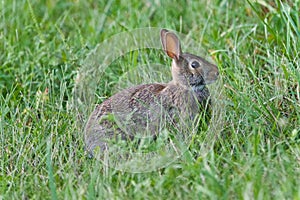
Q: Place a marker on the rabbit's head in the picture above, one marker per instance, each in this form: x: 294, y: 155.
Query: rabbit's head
x: 188, y: 70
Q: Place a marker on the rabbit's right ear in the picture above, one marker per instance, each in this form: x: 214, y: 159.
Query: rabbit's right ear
x: 171, y: 44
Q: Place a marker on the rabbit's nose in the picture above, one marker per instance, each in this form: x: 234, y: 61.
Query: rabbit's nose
x: 214, y: 73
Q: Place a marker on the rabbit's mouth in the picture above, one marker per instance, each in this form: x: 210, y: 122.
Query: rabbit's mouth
x: 207, y: 82
x: 211, y: 76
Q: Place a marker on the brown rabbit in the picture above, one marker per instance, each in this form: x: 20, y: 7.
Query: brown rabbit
x: 145, y: 107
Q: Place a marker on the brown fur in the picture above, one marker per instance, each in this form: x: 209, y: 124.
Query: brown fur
x: 145, y: 107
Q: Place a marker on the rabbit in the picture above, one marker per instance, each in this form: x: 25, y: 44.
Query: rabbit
x: 143, y: 107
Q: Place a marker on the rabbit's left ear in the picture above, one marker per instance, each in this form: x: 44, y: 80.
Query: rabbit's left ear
x: 171, y: 44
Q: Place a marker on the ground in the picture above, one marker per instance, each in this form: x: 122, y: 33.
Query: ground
x: 254, y: 152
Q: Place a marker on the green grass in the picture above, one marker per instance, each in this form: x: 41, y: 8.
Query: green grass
x: 256, y: 153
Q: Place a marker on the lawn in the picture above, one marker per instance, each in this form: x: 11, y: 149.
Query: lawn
x: 48, y: 87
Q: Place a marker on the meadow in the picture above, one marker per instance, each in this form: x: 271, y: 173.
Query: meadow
x: 253, y: 154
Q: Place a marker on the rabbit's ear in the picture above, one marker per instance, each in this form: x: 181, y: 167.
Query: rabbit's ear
x: 163, y: 33
x: 171, y: 44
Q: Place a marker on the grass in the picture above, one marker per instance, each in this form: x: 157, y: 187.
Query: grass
x: 256, y: 153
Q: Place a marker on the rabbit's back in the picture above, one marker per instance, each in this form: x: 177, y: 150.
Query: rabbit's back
x: 125, y: 114
x: 144, y: 102
x: 143, y: 109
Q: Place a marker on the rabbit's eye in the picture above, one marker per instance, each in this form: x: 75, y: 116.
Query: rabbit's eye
x: 195, y: 64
